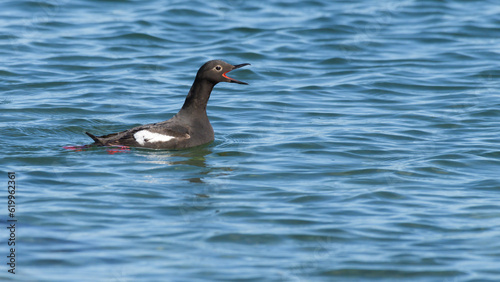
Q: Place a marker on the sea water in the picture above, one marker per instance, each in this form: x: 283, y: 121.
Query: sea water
x: 366, y: 146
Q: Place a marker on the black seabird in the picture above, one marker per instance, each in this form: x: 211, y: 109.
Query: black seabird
x: 190, y: 127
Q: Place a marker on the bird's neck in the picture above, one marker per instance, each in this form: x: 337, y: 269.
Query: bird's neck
x: 197, y: 98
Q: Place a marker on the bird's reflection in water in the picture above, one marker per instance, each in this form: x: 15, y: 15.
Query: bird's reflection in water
x: 205, y: 180
x: 195, y: 158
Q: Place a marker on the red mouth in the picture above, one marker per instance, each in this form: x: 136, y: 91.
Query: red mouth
x: 232, y: 79
x: 224, y: 75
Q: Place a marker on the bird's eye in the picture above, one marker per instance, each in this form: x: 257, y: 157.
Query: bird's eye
x: 218, y: 68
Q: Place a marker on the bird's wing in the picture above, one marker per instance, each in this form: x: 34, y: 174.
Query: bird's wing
x: 151, y: 133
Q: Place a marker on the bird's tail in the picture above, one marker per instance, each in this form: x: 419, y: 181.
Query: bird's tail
x: 95, y: 138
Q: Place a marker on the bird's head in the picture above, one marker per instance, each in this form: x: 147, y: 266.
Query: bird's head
x: 216, y: 71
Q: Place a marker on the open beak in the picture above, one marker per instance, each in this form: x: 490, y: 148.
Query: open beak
x: 232, y: 79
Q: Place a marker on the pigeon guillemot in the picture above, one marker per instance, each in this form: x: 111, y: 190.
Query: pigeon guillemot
x: 189, y: 127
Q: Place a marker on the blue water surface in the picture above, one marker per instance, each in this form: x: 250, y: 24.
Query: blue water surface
x: 366, y: 146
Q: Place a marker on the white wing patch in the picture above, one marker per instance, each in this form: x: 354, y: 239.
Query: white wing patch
x: 144, y: 136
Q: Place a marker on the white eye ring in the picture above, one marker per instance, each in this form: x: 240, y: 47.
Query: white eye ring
x: 218, y: 68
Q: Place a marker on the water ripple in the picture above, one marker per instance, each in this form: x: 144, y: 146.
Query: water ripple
x: 365, y: 146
